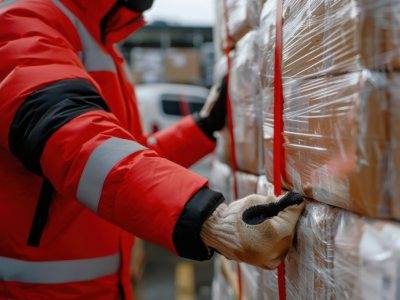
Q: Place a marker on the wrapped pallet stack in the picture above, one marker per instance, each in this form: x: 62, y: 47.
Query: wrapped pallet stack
x: 340, y: 80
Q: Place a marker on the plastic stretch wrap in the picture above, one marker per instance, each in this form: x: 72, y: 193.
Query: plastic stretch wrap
x: 339, y: 132
x: 243, y: 15
x: 221, y: 286
x: 252, y: 282
x: 309, y: 263
x: 221, y: 180
x: 223, y: 149
x: 394, y: 156
x: 264, y: 187
x: 220, y: 69
x: 331, y: 36
x: 245, y: 95
x: 367, y: 259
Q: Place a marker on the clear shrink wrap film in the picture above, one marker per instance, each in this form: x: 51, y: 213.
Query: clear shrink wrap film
x: 223, y: 148
x: 245, y: 95
x: 393, y: 178
x: 222, y: 282
x: 243, y: 16
x: 221, y: 180
x: 341, y: 140
x: 330, y: 37
x: 367, y: 259
x: 252, y: 282
x: 309, y: 263
x: 220, y: 69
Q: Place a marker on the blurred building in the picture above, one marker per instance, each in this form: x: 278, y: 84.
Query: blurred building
x: 168, y: 53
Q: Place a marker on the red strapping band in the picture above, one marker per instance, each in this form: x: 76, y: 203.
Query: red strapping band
x: 278, y: 128
x: 230, y: 124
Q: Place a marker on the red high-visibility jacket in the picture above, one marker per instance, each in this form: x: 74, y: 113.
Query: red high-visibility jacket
x: 77, y: 176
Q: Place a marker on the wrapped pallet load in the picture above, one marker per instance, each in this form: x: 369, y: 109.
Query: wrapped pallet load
x: 337, y: 133
x: 340, y: 93
x: 243, y: 16
x: 245, y: 95
x: 331, y: 37
x: 221, y: 180
x: 367, y: 259
x: 309, y: 273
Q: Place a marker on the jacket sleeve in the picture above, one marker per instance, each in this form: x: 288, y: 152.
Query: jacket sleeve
x: 55, y: 121
x: 183, y: 143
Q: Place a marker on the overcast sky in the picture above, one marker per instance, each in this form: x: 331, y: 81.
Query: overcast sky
x: 184, y: 12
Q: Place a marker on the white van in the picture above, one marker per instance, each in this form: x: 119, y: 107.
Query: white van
x: 163, y: 104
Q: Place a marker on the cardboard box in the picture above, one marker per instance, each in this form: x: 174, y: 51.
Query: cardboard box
x: 245, y: 95
x: 182, y: 65
x: 331, y: 37
x: 337, y: 140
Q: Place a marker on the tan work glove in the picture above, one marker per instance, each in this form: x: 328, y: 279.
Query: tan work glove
x: 256, y: 230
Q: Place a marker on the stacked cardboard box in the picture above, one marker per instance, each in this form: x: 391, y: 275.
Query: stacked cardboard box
x: 243, y: 16
x: 331, y: 37
x: 245, y: 95
x: 309, y: 263
x: 341, y: 89
x: 338, y: 139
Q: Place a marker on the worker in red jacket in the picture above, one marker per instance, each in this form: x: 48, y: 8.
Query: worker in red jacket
x: 78, y: 178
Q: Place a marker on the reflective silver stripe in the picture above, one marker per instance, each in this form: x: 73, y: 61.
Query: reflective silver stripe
x: 128, y: 73
x: 58, y: 271
x: 99, y: 164
x: 92, y: 56
x: 8, y: 2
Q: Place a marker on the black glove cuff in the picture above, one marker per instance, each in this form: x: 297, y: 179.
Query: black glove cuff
x: 205, y: 125
x: 186, y: 235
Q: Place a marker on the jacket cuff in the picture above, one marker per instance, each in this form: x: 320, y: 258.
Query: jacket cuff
x: 186, y: 236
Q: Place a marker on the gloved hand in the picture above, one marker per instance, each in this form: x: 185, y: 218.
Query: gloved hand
x: 212, y: 117
x: 256, y: 230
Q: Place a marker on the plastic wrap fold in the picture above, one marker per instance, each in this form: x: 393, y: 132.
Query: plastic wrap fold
x: 245, y: 95
x: 243, y: 16
x: 367, y: 259
x: 341, y: 138
x: 309, y: 263
x: 223, y: 285
x: 221, y: 180
x: 331, y: 37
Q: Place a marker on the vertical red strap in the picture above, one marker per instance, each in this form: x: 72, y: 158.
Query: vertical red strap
x: 278, y: 128
x: 230, y: 124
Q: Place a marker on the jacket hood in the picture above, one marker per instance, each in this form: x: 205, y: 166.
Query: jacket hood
x: 120, y: 24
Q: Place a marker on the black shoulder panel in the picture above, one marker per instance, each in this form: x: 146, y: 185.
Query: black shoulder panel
x: 44, y: 112
x: 186, y: 236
